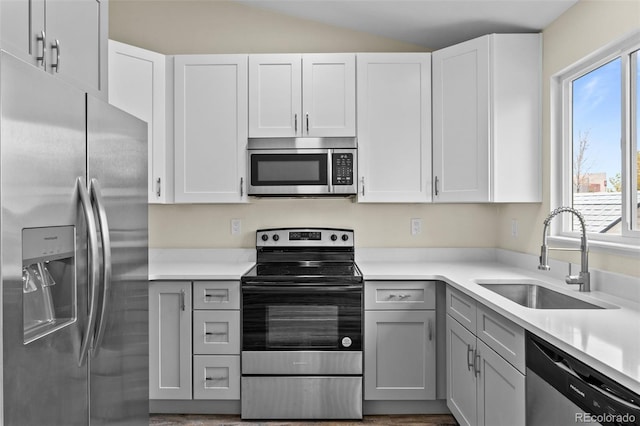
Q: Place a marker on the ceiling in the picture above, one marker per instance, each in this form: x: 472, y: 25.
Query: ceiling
x: 430, y: 23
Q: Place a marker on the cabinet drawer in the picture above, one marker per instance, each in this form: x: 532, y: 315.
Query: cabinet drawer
x: 462, y: 308
x: 399, y: 295
x: 216, y: 295
x: 216, y: 332
x: 501, y: 335
x: 216, y: 377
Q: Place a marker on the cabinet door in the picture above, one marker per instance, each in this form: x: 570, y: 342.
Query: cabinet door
x: 329, y: 95
x: 275, y: 96
x: 461, y: 122
x: 75, y: 38
x: 501, y: 390
x: 170, y: 340
x: 79, y: 29
x: 400, y: 355
x: 141, y: 83
x: 210, y: 128
x: 394, y: 127
x: 21, y: 23
x: 461, y: 380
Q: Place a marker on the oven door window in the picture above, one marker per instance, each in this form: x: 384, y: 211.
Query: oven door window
x: 289, y: 327
x: 288, y: 169
x: 301, y: 319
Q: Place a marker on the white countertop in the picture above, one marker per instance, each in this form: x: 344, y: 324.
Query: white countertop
x: 606, y: 339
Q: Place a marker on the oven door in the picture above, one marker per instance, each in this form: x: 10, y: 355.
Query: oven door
x: 289, y: 172
x: 301, y: 317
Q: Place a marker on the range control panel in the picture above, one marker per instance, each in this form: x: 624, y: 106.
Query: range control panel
x: 304, y: 237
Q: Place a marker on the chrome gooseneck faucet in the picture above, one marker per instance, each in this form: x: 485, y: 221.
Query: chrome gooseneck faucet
x: 583, y: 278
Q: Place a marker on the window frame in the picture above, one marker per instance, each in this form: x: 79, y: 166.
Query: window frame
x: 562, y: 145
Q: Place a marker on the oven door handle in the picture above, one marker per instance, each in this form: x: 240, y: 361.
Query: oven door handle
x: 296, y: 288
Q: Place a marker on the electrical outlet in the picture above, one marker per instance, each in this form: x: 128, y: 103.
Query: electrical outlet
x: 416, y: 226
x: 236, y: 226
x: 514, y: 228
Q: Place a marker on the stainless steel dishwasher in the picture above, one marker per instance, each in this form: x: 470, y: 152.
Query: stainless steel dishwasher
x: 564, y: 391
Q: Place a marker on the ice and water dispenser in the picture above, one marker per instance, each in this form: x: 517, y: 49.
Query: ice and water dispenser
x: 48, y: 280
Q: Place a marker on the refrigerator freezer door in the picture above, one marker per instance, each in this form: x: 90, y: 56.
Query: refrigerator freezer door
x: 117, y: 175
x: 42, y: 153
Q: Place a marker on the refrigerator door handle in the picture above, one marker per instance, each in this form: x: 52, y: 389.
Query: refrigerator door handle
x: 96, y: 197
x: 92, y: 236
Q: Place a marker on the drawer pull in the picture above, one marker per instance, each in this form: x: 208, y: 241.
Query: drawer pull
x: 219, y: 296
x: 209, y: 333
x: 213, y: 379
x: 399, y: 296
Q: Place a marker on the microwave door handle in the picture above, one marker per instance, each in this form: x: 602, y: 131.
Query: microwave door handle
x: 330, y: 170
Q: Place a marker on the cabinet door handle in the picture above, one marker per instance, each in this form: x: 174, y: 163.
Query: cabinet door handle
x: 42, y: 58
x: 476, y: 364
x: 159, y: 187
x: 307, y: 123
x: 295, y: 123
x: 182, y: 300
x: 362, y: 180
x: 430, y: 328
x: 241, y: 187
x: 56, y: 45
x: 470, y: 361
x: 436, y: 186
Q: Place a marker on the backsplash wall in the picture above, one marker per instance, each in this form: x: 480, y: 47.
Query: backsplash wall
x: 375, y: 225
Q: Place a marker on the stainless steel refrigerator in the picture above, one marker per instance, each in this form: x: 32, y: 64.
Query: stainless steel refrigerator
x: 74, y: 255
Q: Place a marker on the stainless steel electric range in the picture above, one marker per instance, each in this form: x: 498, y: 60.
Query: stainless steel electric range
x: 302, y: 326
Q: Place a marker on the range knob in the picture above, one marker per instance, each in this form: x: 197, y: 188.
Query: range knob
x: 265, y: 237
x: 334, y: 237
x: 345, y: 237
x: 276, y: 237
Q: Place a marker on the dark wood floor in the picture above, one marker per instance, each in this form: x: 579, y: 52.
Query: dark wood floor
x: 218, y: 420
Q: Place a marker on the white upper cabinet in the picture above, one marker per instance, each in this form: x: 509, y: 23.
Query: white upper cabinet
x: 210, y: 128
x: 394, y: 127
x: 141, y: 83
x: 67, y: 38
x: 308, y: 95
x: 486, y: 120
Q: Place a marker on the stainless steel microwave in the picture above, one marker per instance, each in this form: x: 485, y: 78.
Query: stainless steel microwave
x: 302, y: 166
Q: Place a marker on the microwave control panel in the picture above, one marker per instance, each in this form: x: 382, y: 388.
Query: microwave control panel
x: 342, y: 168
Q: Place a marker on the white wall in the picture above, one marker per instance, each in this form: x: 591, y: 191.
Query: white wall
x: 213, y: 26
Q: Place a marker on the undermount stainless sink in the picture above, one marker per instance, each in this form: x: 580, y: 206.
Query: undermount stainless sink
x: 537, y: 297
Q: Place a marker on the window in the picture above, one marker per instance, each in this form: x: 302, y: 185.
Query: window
x: 598, y: 139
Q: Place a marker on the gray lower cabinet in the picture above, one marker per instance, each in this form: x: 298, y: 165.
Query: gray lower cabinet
x: 483, y: 388
x: 194, y: 340
x: 170, y: 334
x: 400, y: 342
